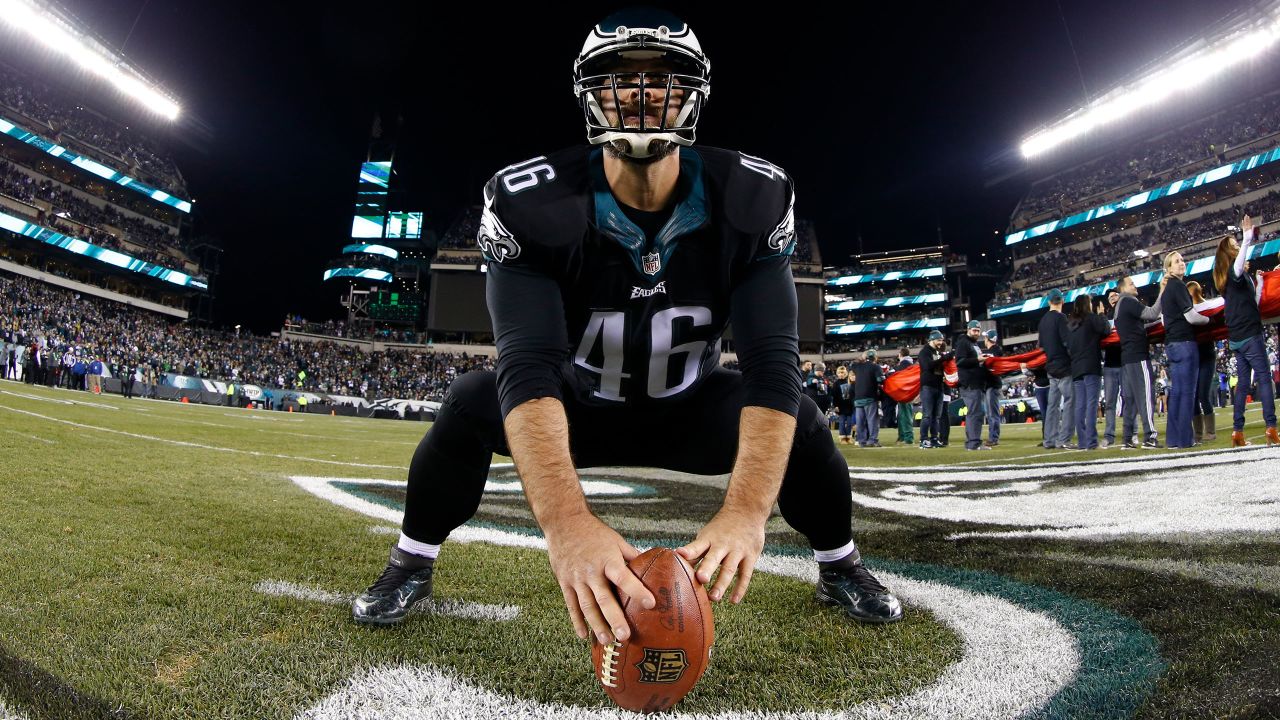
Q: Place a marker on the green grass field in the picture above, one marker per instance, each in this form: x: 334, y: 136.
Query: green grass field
x: 173, y: 561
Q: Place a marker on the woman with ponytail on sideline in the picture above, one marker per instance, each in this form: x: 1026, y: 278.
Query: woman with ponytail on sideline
x: 1244, y: 327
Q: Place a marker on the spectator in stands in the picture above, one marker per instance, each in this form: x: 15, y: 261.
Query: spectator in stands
x: 1203, y: 424
x: 1245, y: 336
x: 1112, y: 373
x: 1180, y: 346
x: 906, y: 410
x: 931, y: 383
x: 1137, y: 381
x: 842, y: 401
x: 973, y: 384
x: 1060, y: 412
x: 991, y: 346
x: 1087, y: 329
x: 867, y: 379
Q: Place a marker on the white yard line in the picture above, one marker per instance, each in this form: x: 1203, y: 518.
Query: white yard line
x: 202, y: 446
x: 434, y: 606
x: 34, y: 437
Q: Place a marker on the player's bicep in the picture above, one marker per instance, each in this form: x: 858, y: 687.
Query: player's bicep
x: 529, y: 331
x: 764, y: 311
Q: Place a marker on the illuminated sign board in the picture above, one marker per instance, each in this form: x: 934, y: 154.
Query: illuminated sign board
x: 358, y: 273
x: 856, y: 328
x: 1146, y: 196
x: 887, y: 277
x: 404, y: 225
x: 97, y: 168
x: 101, y: 254
x: 887, y: 302
x: 372, y: 250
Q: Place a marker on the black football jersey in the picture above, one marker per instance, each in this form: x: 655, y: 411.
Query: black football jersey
x: 579, y: 294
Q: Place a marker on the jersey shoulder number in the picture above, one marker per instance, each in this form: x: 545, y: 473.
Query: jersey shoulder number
x: 532, y: 208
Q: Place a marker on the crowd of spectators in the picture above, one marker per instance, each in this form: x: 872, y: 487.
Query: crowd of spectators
x: 83, y: 219
x: 1055, y: 268
x: 358, y: 331
x: 76, y: 127
x: 124, y: 338
x: 1182, y: 152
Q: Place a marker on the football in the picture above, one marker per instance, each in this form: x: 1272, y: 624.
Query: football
x: 670, y: 645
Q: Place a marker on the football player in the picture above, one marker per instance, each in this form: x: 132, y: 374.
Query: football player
x: 614, y: 267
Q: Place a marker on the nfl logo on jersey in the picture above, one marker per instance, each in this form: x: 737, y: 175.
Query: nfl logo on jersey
x: 651, y: 263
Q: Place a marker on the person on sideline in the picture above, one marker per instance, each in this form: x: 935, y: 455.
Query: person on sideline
x: 1087, y: 328
x: 1202, y: 421
x: 1245, y: 336
x: 1179, y: 315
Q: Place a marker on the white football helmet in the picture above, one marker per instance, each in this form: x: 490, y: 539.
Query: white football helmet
x: 608, y: 67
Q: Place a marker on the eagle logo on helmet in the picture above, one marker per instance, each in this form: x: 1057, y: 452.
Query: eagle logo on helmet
x: 683, y: 80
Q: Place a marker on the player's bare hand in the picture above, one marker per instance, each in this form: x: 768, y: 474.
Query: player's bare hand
x: 589, y: 560
x: 731, y: 543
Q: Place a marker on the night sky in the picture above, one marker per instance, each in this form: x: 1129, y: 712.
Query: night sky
x: 884, y: 116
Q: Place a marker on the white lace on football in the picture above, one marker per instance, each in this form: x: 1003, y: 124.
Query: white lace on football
x: 609, y: 665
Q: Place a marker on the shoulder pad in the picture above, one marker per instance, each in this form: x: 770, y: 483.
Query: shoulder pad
x: 757, y: 196
x: 534, y: 208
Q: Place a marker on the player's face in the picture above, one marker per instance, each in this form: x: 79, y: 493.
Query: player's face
x: 975, y: 332
x: 657, y: 75
x: 841, y: 372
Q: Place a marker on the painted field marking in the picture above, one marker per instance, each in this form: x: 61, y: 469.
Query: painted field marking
x: 34, y: 437
x: 202, y: 446
x: 1015, y: 660
x: 1169, y: 498
x: 433, y: 606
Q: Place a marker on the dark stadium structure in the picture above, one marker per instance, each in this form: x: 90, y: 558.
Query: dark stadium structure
x: 893, y: 299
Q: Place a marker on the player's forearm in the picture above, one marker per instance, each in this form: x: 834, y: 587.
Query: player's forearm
x: 538, y: 435
x: 764, y: 446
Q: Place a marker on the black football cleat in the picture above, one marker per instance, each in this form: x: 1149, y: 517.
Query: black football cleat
x: 405, y: 582
x: 859, y: 594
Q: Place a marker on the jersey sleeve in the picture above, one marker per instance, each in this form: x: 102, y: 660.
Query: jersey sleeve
x: 529, y: 331
x: 781, y: 239
x: 763, y: 311
x: 523, y: 295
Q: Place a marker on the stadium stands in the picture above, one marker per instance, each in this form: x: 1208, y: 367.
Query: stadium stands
x: 120, y: 335
x: 889, y: 299
x: 58, y: 207
x: 1247, y: 128
x: 74, y: 126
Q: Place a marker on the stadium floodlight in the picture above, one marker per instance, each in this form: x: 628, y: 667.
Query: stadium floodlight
x: 52, y: 31
x: 1206, y: 63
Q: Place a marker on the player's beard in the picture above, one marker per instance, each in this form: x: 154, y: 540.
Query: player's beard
x: 659, y: 150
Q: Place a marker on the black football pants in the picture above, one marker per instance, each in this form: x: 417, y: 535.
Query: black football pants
x: 699, y: 435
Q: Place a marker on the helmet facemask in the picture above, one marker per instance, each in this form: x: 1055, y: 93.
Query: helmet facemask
x: 642, y: 90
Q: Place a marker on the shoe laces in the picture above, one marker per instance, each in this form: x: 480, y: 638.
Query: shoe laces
x: 860, y: 576
x: 392, y: 577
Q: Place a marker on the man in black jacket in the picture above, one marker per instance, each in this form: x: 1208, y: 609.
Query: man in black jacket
x: 1137, y: 383
x: 932, y: 414
x: 973, y: 384
x: 994, y: 386
x: 1060, y: 412
x: 867, y: 379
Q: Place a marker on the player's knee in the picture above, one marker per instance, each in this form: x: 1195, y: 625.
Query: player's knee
x: 811, y: 424
x: 473, y: 392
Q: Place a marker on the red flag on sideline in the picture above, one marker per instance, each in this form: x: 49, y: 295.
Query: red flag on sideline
x: 904, y: 385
